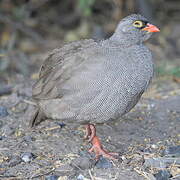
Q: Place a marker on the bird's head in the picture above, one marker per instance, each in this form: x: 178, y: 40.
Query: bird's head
x: 134, y: 28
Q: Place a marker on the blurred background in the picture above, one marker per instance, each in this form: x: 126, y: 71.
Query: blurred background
x: 31, y: 28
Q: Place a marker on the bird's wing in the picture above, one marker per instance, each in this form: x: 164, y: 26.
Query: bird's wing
x: 58, y: 66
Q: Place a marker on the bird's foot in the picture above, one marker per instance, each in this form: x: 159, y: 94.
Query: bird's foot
x: 96, y: 144
x: 99, y: 151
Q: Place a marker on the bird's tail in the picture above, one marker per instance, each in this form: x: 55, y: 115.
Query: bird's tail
x: 37, y: 117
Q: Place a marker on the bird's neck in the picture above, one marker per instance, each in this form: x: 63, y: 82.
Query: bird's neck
x: 121, y: 41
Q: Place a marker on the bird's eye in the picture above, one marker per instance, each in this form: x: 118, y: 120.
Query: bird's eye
x: 138, y: 24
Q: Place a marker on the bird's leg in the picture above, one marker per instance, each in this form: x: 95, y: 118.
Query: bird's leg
x: 96, y: 144
x: 90, y: 132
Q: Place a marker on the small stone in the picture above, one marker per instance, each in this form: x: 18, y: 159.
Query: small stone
x: 80, y: 177
x: 162, y: 175
x: 51, y: 177
x: 173, y: 151
x: 27, y: 157
x: 83, y: 163
x: 61, y: 124
x: 123, y: 158
x: 3, y: 111
x: 15, y: 160
x: 2, y: 137
x: 154, y: 146
x: 104, y: 163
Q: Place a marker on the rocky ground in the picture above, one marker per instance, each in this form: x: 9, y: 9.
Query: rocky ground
x: 146, y: 139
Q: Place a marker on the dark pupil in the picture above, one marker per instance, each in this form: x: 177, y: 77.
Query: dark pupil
x: 144, y: 23
x: 137, y: 23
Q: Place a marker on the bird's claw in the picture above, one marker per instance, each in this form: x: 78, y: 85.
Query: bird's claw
x: 96, y: 144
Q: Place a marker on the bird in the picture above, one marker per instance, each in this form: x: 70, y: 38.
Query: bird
x: 89, y: 82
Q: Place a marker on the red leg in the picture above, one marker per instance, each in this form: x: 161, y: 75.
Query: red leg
x: 96, y: 144
x: 90, y: 132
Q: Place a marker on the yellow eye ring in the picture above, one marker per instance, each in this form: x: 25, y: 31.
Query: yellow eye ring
x: 138, y: 24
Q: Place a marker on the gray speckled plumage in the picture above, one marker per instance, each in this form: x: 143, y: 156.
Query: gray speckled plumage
x: 88, y: 81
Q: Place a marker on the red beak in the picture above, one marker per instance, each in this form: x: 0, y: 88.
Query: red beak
x: 151, y: 28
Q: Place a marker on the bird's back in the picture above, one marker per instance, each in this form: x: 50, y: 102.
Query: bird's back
x: 57, y: 68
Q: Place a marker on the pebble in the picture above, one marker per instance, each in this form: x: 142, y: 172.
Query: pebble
x: 162, y: 175
x: 83, y: 163
x: 154, y: 146
x: 2, y: 137
x: 173, y: 151
x: 15, y: 160
x: 61, y: 124
x: 104, y: 163
x: 51, y: 177
x: 27, y: 156
x: 80, y: 177
x: 123, y: 158
x: 3, y: 111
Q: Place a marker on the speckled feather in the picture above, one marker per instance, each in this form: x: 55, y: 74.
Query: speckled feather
x: 88, y: 81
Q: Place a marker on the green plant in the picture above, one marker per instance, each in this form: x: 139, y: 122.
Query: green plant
x: 86, y: 6
x: 162, y: 70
